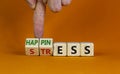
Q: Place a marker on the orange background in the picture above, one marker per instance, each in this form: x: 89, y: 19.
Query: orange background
x: 96, y: 21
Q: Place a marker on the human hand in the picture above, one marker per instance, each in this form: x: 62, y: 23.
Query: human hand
x: 39, y: 7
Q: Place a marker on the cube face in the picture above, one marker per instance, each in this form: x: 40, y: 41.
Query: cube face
x: 31, y: 46
x: 46, y: 46
x: 73, y: 49
x: 45, y: 51
x: 60, y: 49
x: 32, y: 51
x: 31, y: 42
x: 87, y: 49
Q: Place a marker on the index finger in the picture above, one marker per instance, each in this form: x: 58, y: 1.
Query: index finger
x: 39, y: 19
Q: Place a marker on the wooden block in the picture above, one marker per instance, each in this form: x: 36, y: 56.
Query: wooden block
x: 87, y: 49
x: 73, y: 49
x: 46, y: 46
x: 31, y: 46
x: 59, y: 49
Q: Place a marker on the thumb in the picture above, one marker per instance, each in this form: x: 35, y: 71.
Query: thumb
x: 39, y: 19
x: 32, y: 3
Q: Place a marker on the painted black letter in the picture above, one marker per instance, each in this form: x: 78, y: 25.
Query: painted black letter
x: 87, y: 49
x: 60, y: 50
x: 73, y: 48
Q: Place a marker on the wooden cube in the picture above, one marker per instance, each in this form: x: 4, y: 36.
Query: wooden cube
x: 31, y: 46
x: 73, y: 49
x: 46, y: 46
x: 87, y: 49
x: 59, y: 49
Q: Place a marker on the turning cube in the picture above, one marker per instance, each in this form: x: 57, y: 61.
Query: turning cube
x: 73, y: 49
x: 60, y: 49
x: 87, y: 49
x: 46, y: 46
x: 31, y: 46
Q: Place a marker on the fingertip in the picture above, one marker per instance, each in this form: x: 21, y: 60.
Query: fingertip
x: 56, y: 9
x: 38, y: 35
x: 32, y: 3
x: 66, y: 2
x: 33, y: 6
x: 55, y: 5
